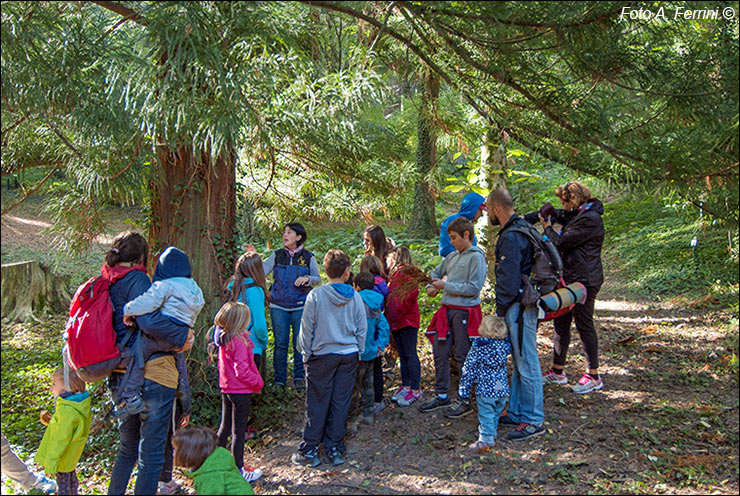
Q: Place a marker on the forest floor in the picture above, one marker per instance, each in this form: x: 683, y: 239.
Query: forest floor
x: 665, y: 422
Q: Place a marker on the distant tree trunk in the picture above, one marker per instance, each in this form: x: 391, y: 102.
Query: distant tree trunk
x: 30, y: 290
x: 493, y: 167
x: 423, y: 224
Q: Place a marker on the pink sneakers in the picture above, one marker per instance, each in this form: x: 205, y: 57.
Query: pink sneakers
x: 409, y: 398
x: 588, y: 384
x: 552, y: 377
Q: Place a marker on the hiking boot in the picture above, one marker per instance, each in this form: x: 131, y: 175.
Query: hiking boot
x: 309, y: 459
x: 434, y: 404
x: 552, y: 377
x: 506, y: 420
x: 250, y: 474
x: 378, y: 407
x: 399, y: 394
x: 410, y: 397
x: 335, y: 456
x: 168, y: 488
x: 525, y: 431
x: 458, y: 408
x: 129, y: 407
x: 588, y: 384
x: 481, y: 446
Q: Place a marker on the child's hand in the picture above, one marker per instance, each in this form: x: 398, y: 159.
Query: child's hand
x: 438, y: 284
x: 431, y: 291
x: 129, y: 320
x: 45, y: 417
x: 249, y: 247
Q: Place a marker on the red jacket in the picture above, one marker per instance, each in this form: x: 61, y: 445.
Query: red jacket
x: 439, y: 326
x: 404, y: 313
x: 237, y: 372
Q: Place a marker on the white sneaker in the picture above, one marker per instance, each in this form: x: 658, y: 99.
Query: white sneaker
x: 251, y: 474
x: 401, y: 393
x: 45, y: 485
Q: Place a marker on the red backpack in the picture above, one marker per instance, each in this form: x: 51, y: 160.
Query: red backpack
x: 91, y: 340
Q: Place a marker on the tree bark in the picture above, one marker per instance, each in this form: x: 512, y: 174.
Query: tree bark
x: 423, y: 223
x: 30, y: 290
x: 493, y: 167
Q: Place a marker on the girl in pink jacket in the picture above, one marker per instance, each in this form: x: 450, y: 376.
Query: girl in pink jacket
x: 238, y: 378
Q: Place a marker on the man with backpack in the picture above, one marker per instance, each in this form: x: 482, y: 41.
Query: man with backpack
x: 514, y: 263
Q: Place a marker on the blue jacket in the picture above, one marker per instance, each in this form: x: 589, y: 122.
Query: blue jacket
x: 283, y: 292
x: 378, y: 330
x: 485, y: 366
x: 254, y: 297
x: 513, y: 259
x: 469, y: 206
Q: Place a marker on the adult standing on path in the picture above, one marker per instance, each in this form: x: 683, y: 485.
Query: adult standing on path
x: 514, y: 260
x: 295, y: 272
x: 472, y: 207
x: 143, y: 435
x: 579, y: 243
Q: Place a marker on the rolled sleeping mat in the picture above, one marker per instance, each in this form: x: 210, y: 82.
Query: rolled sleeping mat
x: 563, y: 297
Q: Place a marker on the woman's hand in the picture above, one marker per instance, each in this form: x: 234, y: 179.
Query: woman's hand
x: 431, y: 291
x: 438, y: 284
x: 185, y: 420
x: 188, y: 342
x: 545, y: 222
x: 303, y: 281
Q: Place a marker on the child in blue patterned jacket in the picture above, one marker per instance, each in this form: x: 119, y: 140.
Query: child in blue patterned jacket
x: 485, y: 366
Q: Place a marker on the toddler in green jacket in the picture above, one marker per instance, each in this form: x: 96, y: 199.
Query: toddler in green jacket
x: 66, y: 431
x: 213, y: 467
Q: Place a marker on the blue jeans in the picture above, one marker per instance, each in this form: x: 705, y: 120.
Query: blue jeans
x: 282, y: 321
x: 489, y: 410
x: 143, y: 438
x: 526, y: 400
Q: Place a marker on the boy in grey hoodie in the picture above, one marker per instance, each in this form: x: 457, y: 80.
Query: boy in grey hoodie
x: 331, y: 339
x: 460, y: 313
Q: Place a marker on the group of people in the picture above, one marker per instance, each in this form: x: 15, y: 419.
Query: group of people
x: 340, y: 331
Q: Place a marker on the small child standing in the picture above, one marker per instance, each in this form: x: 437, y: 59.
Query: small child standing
x: 67, y: 430
x: 238, y: 378
x: 180, y: 299
x: 372, y: 264
x: 376, y: 340
x: 213, y: 468
x: 403, y: 315
x: 332, y: 338
x: 485, y: 366
x: 458, y: 318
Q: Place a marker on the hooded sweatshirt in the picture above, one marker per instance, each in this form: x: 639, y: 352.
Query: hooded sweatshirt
x: 237, y: 371
x: 66, y: 434
x: 173, y: 291
x: 469, y: 206
x: 378, y: 332
x: 466, y: 272
x: 333, y: 321
x: 219, y: 475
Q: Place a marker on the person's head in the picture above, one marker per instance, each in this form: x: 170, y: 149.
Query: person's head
x: 129, y: 247
x: 573, y: 195
x: 374, y: 241
x: 76, y: 385
x: 336, y: 265
x: 461, y: 232
x: 372, y: 264
x: 192, y: 445
x: 398, y: 257
x: 500, y: 206
x: 234, y: 318
x: 294, y: 235
x: 364, y: 280
x: 248, y: 266
x: 172, y: 262
x: 493, y: 327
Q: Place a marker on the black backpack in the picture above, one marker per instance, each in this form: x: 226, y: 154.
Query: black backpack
x: 547, y: 270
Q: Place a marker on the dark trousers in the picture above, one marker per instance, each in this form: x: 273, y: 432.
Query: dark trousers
x: 330, y: 379
x: 584, y: 317
x: 378, y: 380
x: 166, y: 474
x: 67, y: 482
x: 234, y: 415
x: 362, y: 394
x: 135, y: 380
x: 457, y: 335
x: 406, y: 340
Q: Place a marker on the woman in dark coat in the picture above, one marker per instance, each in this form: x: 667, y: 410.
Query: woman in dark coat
x: 579, y: 243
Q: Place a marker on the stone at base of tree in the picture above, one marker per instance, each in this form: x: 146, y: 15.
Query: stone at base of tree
x: 30, y: 291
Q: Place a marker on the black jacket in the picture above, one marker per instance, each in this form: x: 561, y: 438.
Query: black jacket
x: 580, y: 242
x: 513, y: 258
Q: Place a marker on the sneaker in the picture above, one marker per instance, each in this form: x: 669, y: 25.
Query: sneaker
x: 435, y: 404
x: 45, y: 485
x: 299, y: 384
x: 410, y: 397
x: 251, y: 433
x: 378, y: 407
x: 310, y: 459
x: 588, y: 384
x: 525, y: 431
x: 129, y: 407
x: 481, y: 446
x: 458, y: 408
x: 250, y: 474
x: 401, y: 393
x: 335, y: 456
x: 506, y: 420
x: 552, y: 377
x: 168, y: 488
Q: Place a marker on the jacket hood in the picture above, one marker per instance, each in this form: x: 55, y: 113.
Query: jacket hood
x: 172, y: 263
x: 220, y: 460
x: 475, y: 248
x: 339, y: 293
x: 78, y: 401
x: 594, y: 205
x: 112, y: 274
x: 470, y: 204
x: 372, y: 298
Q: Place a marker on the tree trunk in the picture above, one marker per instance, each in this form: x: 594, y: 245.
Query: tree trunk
x: 30, y: 290
x: 493, y: 167
x: 423, y: 223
